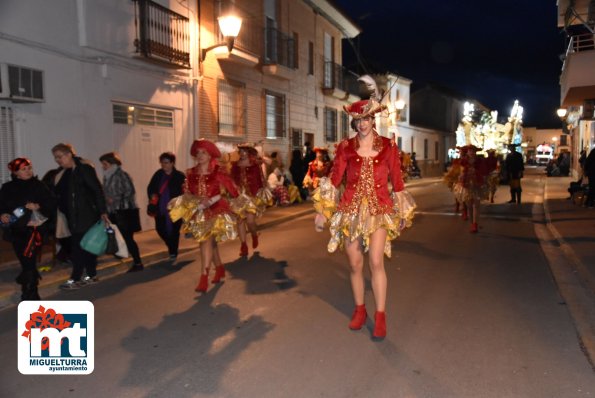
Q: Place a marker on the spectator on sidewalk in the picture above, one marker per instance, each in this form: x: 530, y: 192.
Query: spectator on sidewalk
x: 25, y: 204
x: 63, y: 254
x: 515, y: 168
x: 590, y: 173
x: 120, y: 198
x: 296, y: 168
x: 166, y: 184
x: 276, y: 182
x: 82, y: 201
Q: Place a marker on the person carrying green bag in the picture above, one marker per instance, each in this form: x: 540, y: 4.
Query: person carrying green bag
x: 81, y: 200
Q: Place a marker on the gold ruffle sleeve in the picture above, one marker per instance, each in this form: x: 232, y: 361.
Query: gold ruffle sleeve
x: 325, y: 198
x: 222, y: 227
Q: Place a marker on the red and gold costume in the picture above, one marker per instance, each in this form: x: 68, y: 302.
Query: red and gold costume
x: 472, y: 179
x: 255, y: 195
x: 216, y: 219
x: 366, y: 204
x: 316, y: 170
x: 451, y: 177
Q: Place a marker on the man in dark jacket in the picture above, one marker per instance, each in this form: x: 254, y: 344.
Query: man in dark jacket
x: 82, y: 201
x: 515, y: 168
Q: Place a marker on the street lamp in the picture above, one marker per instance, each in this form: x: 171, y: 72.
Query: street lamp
x: 229, y: 25
x: 399, y: 105
x: 563, y: 114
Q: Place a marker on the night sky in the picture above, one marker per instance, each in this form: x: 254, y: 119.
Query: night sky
x: 491, y: 51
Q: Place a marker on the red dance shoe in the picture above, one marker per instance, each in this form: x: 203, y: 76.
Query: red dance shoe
x: 379, y: 326
x: 358, y: 319
x: 203, y: 283
x: 219, y: 273
x: 474, y: 228
x: 254, y: 241
x: 244, y: 250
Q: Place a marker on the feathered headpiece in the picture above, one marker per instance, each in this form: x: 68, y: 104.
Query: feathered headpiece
x: 369, y: 107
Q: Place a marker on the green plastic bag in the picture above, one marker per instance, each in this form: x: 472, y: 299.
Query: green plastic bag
x: 95, y: 239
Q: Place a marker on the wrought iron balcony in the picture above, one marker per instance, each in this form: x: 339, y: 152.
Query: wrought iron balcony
x: 162, y: 35
x: 279, y: 48
x: 338, y: 77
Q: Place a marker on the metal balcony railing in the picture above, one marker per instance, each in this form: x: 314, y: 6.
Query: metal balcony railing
x: 162, y: 34
x: 579, y: 43
x: 337, y: 76
x: 279, y: 48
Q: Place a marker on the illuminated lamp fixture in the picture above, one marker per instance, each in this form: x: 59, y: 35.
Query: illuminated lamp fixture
x: 562, y: 114
x: 229, y: 25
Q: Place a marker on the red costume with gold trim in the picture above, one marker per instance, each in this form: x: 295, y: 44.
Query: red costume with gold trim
x: 250, y: 181
x: 316, y: 170
x: 217, y: 220
x: 472, y: 183
x: 366, y: 203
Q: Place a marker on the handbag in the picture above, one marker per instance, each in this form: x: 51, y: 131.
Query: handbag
x: 95, y: 239
x: 122, y: 248
x: 128, y: 219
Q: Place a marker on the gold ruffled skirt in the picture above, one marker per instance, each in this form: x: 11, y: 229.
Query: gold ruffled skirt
x: 469, y: 194
x: 352, y: 226
x: 246, y: 204
x: 197, y: 222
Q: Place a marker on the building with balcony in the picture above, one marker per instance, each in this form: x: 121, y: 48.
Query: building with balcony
x: 143, y: 77
x: 577, y: 80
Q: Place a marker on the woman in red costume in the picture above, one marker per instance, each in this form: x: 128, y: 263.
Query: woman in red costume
x: 471, y: 187
x: 318, y: 168
x: 367, y: 216
x: 247, y: 175
x: 451, y: 177
x: 206, y: 214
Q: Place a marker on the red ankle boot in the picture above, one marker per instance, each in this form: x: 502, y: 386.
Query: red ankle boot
x: 203, y: 283
x: 219, y: 273
x: 254, y: 241
x: 244, y: 250
x: 358, y: 319
x: 379, y: 325
x: 474, y: 228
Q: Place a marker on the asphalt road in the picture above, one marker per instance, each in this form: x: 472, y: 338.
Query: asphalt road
x: 468, y: 316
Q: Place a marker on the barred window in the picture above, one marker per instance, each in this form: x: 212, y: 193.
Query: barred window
x: 7, y: 141
x: 345, y: 126
x: 142, y: 115
x: 296, y: 138
x: 400, y: 143
x: 330, y: 124
x: 274, y: 115
x: 232, y: 108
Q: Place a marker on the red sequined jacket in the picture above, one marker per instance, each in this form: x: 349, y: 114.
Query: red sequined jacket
x: 367, y: 177
x: 250, y: 178
x: 205, y: 186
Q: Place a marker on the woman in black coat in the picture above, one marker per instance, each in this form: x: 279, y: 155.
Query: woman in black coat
x: 81, y: 200
x: 166, y: 184
x: 19, y: 199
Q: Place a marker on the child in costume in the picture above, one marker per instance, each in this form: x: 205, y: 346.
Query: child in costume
x: 205, y: 212
x: 249, y: 178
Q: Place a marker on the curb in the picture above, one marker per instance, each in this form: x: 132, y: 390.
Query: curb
x: 574, y: 284
x: 117, y: 267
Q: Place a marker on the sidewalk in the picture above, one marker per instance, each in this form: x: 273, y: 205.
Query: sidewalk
x: 573, y: 226
x: 151, y: 247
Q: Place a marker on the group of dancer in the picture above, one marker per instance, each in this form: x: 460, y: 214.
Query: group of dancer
x: 473, y: 177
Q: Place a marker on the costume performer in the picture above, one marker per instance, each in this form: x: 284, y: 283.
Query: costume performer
x: 367, y: 217
x: 248, y: 177
x: 493, y: 178
x: 318, y: 168
x: 451, y: 177
x: 471, y: 187
x: 206, y: 214
x: 25, y: 204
